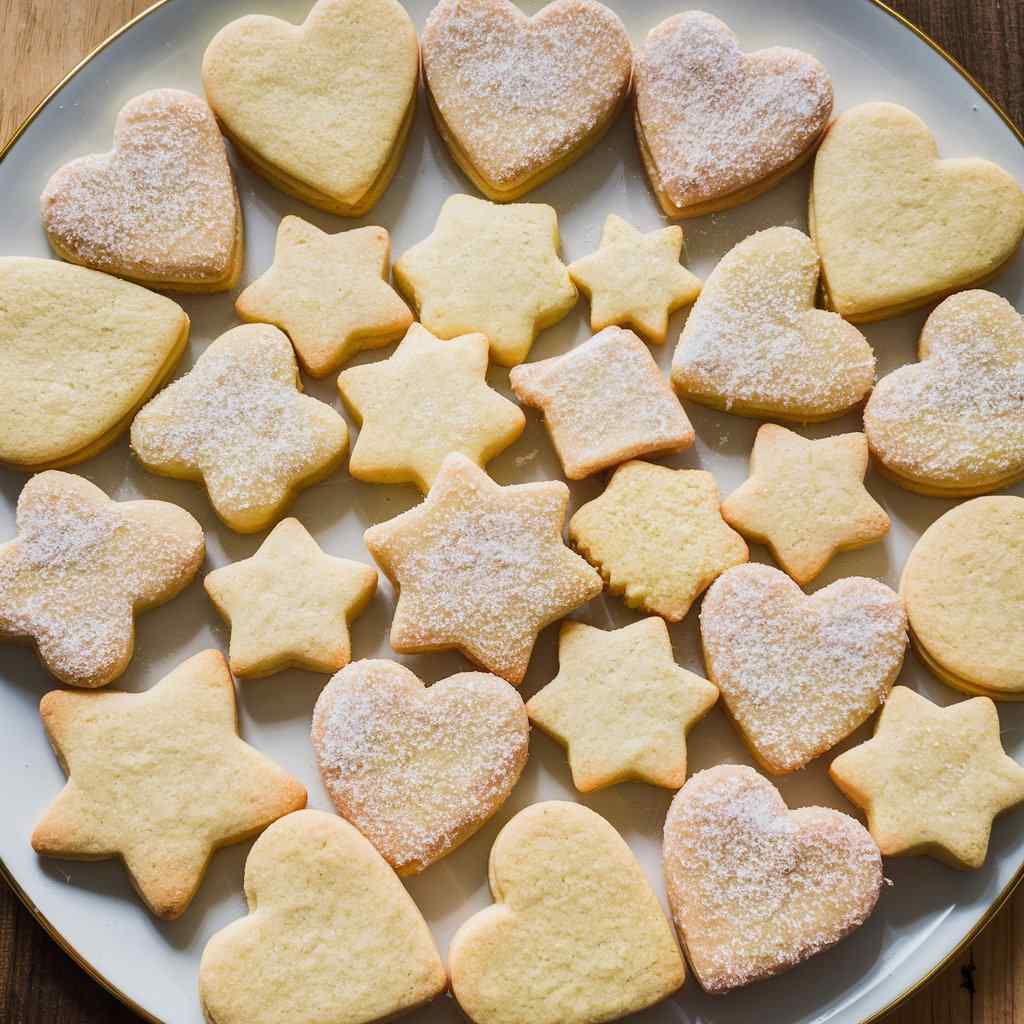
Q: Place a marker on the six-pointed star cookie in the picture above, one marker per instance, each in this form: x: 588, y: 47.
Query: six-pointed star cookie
x: 481, y: 568
x: 429, y: 399
x: 160, y: 779
x: 489, y: 268
x: 635, y: 280
x: 806, y: 499
x: 290, y: 604
x: 328, y: 293
x: 932, y: 779
x: 621, y: 705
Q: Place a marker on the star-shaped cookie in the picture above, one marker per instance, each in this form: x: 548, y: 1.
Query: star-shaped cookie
x: 931, y: 780
x: 290, y: 605
x: 806, y: 499
x: 489, y: 268
x: 481, y: 568
x: 329, y: 293
x: 160, y: 779
x: 635, y: 280
x: 430, y: 398
x: 621, y: 705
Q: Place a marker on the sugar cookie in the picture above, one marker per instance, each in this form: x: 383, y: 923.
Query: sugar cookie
x: 238, y: 422
x: 160, y: 779
x: 896, y: 226
x: 323, y: 109
x: 604, y: 402
x: 418, y: 769
x: 481, y: 568
x: 575, y: 935
x: 799, y: 673
x: 756, y: 888
x: 657, y: 537
x: 755, y: 345
x: 82, y: 566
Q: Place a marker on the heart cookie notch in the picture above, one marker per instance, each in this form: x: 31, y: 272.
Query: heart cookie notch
x: 756, y: 888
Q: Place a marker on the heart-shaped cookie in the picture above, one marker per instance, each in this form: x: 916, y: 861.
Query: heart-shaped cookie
x: 575, y: 936
x: 896, y: 226
x: 755, y: 345
x: 953, y: 424
x: 797, y: 673
x: 717, y: 126
x: 755, y: 888
x: 323, y: 109
x: 160, y: 208
x: 518, y: 99
x: 418, y: 769
x: 331, y: 936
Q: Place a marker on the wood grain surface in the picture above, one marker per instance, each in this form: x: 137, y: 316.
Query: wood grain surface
x: 40, y: 41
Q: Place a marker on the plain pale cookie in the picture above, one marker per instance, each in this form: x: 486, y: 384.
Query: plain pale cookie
x: 799, y: 673
x: 621, y: 705
x: 754, y: 344
x: 575, y: 936
x: 604, y: 402
x: 756, y: 888
x: 481, y: 568
x: 82, y: 566
x: 160, y: 779
x: 657, y: 536
x: 418, y: 769
x: 429, y: 399
x: 238, y: 422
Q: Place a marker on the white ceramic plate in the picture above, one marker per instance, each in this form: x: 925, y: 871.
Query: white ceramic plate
x: 928, y: 910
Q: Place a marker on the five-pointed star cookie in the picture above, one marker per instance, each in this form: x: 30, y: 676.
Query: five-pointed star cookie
x: 635, y: 280
x: 489, y: 268
x: 621, y: 705
x: 290, y: 604
x: 931, y: 780
x: 160, y: 779
x: 481, y: 568
x: 430, y: 398
x: 806, y: 499
x: 329, y: 293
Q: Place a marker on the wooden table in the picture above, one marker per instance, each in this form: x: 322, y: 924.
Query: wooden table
x: 40, y: 40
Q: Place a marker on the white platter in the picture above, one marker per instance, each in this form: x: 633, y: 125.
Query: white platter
x: 928, y: 911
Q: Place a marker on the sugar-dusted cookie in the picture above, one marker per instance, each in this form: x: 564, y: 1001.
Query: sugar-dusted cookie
x: 160, y: 208
x: 329, y: 293
x: 80, y: 352
x: 621, y: 705
x: 238, y: 422
x: 160, y: 779
x: 799, y: 673
x: 290, y: 605
x: 481, y: 568
x: 756, y: 888
x: 489, y: 269
x: 518, y: 99
x: 806, y: 499
x: 963, y: 585
x: 418, y: 769
x: 429, y: 399
x: 754, y: 344
x: 82, y: 566
x: 657, y: 536
x: 953, y: 424
x: 717, y: 126
x: 932, y: 779
x: 604, y: 402
x: 896, y: 227
x: 635, y: 280
x: 575, y: 935
x: 323, y: 109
